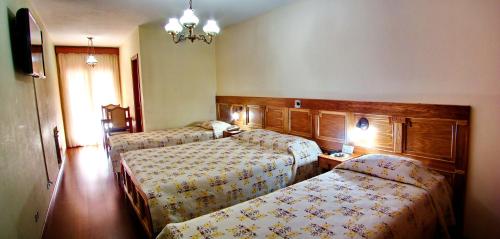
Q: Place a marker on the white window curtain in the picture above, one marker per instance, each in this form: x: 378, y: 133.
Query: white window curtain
x: 84, y: 90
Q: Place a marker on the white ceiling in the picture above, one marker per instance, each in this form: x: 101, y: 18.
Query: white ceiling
x: 69, y: 22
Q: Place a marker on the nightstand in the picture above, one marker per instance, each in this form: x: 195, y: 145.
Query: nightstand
x: 329, y: 162
x: 226, y: 134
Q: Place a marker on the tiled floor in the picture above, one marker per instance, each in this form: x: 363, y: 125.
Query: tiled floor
x: 89, y: 202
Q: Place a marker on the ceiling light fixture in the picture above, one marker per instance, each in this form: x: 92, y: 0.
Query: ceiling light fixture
x: 189, y: 20
x: 91, y: 60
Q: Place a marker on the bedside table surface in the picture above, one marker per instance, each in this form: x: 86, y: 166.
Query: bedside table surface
x: 329, y: 161
x: 340, y: 159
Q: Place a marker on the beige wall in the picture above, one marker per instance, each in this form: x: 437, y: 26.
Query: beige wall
x: 444, y: 52
x: 22, y: 175
x: 128, y: 49
x: 178, y: 81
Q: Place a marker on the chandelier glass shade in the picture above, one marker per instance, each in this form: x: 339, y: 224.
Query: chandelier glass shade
x: 189, y: 21
x: 91, y: 60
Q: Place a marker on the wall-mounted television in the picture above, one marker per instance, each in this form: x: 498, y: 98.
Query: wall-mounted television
x: 28, y: 44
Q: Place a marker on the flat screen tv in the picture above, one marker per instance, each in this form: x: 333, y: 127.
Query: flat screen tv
x: 28, y: 45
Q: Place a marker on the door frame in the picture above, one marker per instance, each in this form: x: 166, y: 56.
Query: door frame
x: 137, y: 92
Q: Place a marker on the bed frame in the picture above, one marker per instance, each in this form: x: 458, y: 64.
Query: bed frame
x: 137, y: 198
x: 437, y: 135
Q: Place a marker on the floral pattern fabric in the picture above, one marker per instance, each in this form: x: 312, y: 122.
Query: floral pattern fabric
x: 337, y: 204
x: 186, y: 181
x: 159, y: 138
x: 409, y: 171
x: 305, y: 151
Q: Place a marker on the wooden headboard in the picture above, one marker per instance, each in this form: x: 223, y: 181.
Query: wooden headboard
x: 437, y: 135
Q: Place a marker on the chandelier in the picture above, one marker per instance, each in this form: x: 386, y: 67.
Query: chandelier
x: 91, y: 60
x: 190, y: 21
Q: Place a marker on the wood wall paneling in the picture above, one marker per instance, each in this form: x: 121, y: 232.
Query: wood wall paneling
x: 456, y: 112
x: 330, y: 129
x: 398, y: 133
x: 224, y: 112
x: 378, y: 136
x: 300, y: 122
x: 461, y: 146
x: 255, y: 116
x: 238, y: 109
x: 276, y: 118
x: 431, y: 138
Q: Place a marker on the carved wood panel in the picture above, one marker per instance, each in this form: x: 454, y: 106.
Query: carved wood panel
x: 276, y: 118
x: 398, y: 132
x: 379, y: 134
x: 300, y: 122
x: 255, y: 116
x: 224, y: 112
x: 431, y: 138
x: 330, y: 129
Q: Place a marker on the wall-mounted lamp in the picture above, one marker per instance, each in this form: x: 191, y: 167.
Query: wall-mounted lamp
x: 363, y: 123
x: 235, y: 116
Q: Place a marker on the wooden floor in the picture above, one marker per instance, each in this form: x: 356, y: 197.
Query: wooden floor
x: 89, y: 202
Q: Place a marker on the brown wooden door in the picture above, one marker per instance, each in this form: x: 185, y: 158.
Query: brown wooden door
x: 136, y: 81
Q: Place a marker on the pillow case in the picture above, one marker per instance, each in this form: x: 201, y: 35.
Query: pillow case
x: 209, y: 124
x: 304, y: 151
x: 217, y: 126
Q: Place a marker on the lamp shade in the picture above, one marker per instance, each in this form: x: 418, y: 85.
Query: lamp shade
x: 189, y: 19
x: 91, y: 60
x: 211, y: 28
x: 173, y: 26
x: 363, y: 123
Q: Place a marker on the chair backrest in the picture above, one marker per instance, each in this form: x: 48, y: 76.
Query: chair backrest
x: 119, y: 117
x: 106, y: 108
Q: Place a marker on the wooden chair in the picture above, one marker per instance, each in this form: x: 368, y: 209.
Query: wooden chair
x: 104, y: 111
x: 116, y: 120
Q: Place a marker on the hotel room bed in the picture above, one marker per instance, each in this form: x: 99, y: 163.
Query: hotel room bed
x: 122, y: 143
x: 374, y: 196
x: 181, y: 182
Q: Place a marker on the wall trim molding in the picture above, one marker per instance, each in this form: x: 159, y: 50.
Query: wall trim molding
x: 415, y: 110
x: 84, y: 50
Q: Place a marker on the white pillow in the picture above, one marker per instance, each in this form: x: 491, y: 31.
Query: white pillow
x: 210, y: 124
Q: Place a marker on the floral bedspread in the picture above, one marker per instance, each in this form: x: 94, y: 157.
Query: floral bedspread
x: 304, y: 151
x: 189, y: 180
x: 159, y: 138
x: 337, y: 204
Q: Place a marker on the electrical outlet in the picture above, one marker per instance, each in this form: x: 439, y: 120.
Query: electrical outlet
x: 298, y: 104
x: 37, y: 216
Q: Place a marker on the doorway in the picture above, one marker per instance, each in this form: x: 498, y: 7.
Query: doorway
x: 136, y: 81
